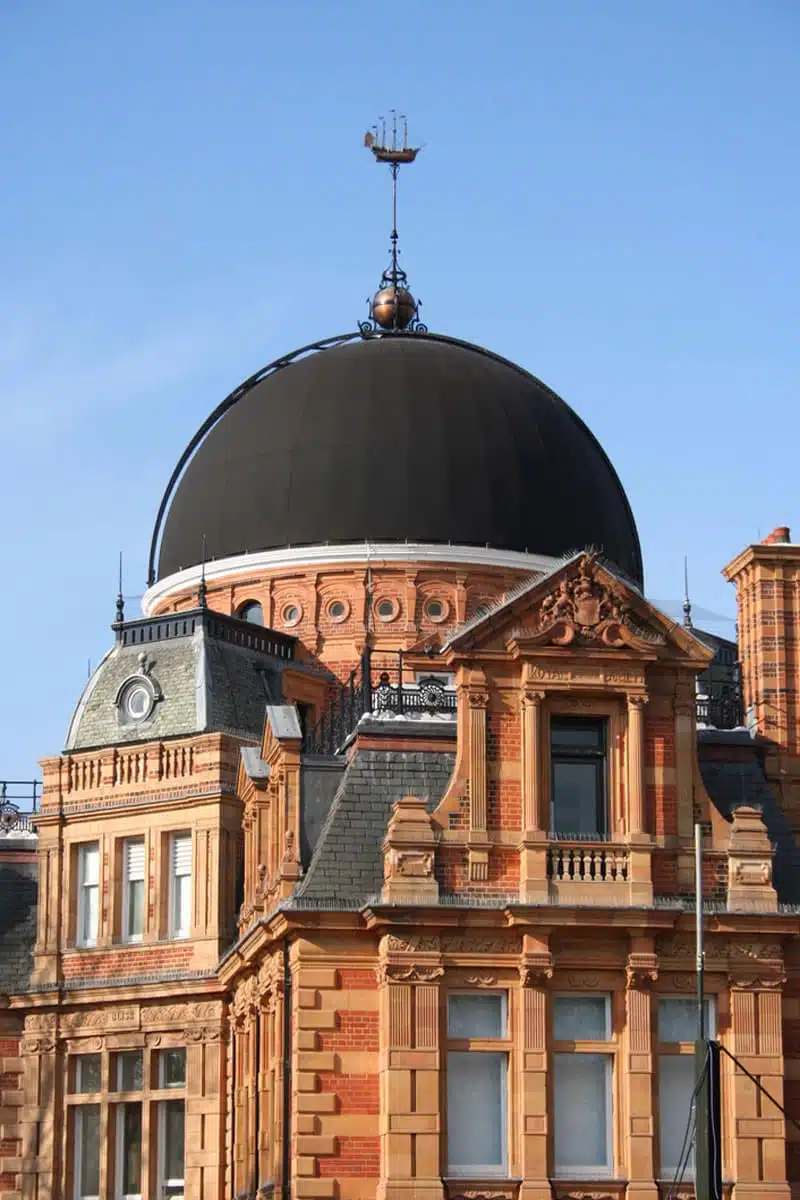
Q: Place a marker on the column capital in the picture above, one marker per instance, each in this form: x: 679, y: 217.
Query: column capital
x: 637, y: 700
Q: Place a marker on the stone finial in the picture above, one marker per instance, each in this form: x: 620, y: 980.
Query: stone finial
x: 409, y: 854
x: 750, y: 863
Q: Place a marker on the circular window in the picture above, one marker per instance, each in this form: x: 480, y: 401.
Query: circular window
x: 137, y: 702
x: 251, y: 611
x: 386, y: 609
x: 436, y: 610
x: 337, y: 610
x: 291, y: 614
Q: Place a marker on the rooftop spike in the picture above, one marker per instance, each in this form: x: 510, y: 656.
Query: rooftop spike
x: 687, y: 604
x: 120, y: 617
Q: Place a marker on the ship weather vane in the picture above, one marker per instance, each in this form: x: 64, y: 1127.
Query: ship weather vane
x: 392, y: 309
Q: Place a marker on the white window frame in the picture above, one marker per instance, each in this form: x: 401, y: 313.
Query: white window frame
x: 126, y: 889
x: 173, y: 931
x: 79, y: 1111
x: 83, y: 903
x: 665, y: 1170
x: 500, y: 1045
x: 597, y: 1049
x: 163, y: 1181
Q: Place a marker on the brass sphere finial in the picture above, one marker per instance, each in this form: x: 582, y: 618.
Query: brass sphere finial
x: 393, y: 307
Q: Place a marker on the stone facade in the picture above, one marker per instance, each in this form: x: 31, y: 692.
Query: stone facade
x: 297, y: 1021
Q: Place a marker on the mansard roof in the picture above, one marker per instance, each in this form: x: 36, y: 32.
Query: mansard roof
x: 204, y: 672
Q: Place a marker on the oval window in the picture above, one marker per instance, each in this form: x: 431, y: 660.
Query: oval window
x: 386, y: 609
x: 292, y: 614
x: 337, y: 610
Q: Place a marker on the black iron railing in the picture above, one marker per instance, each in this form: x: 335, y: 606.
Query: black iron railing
x: 725, y: 711
x: 363, y: 694
x: 19, y: 801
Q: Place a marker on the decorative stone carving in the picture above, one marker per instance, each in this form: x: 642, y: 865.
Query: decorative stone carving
x: 586, y: 980
x: 409, y: 853
x: 413, y: 942
x: 582, y: 610
x: 38, y: 1045
x: 43, y: 1021
x: 467, y: 943
x: 751, y: 981
x: 536, y: 970
x: 100, y: 1018
x: 750, y: 863
x: 394, y: 973
x: 641, y: 971
x: 164, y: 1014
x: 481, y: 980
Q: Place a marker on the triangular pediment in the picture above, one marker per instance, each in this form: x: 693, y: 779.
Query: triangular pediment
x: 581, y: 605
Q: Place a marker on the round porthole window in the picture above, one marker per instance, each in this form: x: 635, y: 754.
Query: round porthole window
x: 291, y: 614
x: 436, y: 610
x: 337, y: 610
x: 386, y: 610
x: 136, y: 701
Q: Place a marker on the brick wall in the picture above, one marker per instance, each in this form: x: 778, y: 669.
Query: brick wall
x: 10, y: 1110
x: 127, y: 961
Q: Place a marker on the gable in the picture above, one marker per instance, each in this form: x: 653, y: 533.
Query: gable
x: 582, y: 604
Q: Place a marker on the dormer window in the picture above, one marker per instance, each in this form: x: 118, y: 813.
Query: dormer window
x: 578, y: 776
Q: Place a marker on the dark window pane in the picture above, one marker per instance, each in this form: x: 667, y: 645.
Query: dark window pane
x: 132, y: 1149
x: 129, y: 1071
x: 87, y: 1073
x: 173, y: 1068
x: 577, y: 797
x: 580, y: 734
x: 173, y: 1140
x: 87, y: 1132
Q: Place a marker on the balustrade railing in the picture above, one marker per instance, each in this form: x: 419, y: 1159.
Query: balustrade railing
x: 578, y: 861
x: 19, y: 801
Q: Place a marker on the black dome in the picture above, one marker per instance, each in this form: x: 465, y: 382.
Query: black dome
x: 397, y: 438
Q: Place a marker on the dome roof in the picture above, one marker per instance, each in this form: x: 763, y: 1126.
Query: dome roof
x: 419, y: 438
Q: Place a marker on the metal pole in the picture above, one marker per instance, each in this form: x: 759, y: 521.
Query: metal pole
x: 700, y: 957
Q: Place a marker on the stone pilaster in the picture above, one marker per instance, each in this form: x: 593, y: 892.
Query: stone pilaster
x: 635, y: 746
x: 756, y: 1129
x: 478, y: 843
x: 409, y: 976
x: 750, y: 863
x: 533, y: 867
x: 641, y: 973
x: 536, y: 973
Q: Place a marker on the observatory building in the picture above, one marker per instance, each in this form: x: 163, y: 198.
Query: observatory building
x: 367, y: 868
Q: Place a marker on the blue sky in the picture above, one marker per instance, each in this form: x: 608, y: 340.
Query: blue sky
x: 608, y: 195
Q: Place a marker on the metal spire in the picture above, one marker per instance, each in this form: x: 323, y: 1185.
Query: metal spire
x: 202, y: 591
x: 120, y: 617
x: 687, y: 604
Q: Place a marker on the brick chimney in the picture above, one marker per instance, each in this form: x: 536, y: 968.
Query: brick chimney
x: 767, y: 579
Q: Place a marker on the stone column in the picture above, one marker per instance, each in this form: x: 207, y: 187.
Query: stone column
x: 635, y: 748
x: 478, y: 843
x: 533, y: 867
x: 409, y: 975
x: 641, y: 974
x: 536, y: 973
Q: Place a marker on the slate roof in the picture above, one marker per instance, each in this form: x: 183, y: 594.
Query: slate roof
x: 18, y: 890
x: 347, y: 864
x: 738, y: 779
x: 213, y: 674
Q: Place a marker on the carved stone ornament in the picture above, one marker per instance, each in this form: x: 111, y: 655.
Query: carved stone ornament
x: 755, y: 981
x: 585, y: 980
x: 642, y: 971
x: 394, y: 973
x: 478, y: 699
x: 417, y: 864
x: 412, y: 942
x: 38, y: 1045
x: 536, y: 970
x: 472, y: 943
x: 40, y: 1021
x: 584, y: 610
x: 481, y: 980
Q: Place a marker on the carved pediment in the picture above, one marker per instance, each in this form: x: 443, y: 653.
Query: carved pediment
x: 586, y: 607
x: 581, y: 605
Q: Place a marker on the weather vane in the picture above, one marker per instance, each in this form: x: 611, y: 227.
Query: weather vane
x: 392, y: 308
